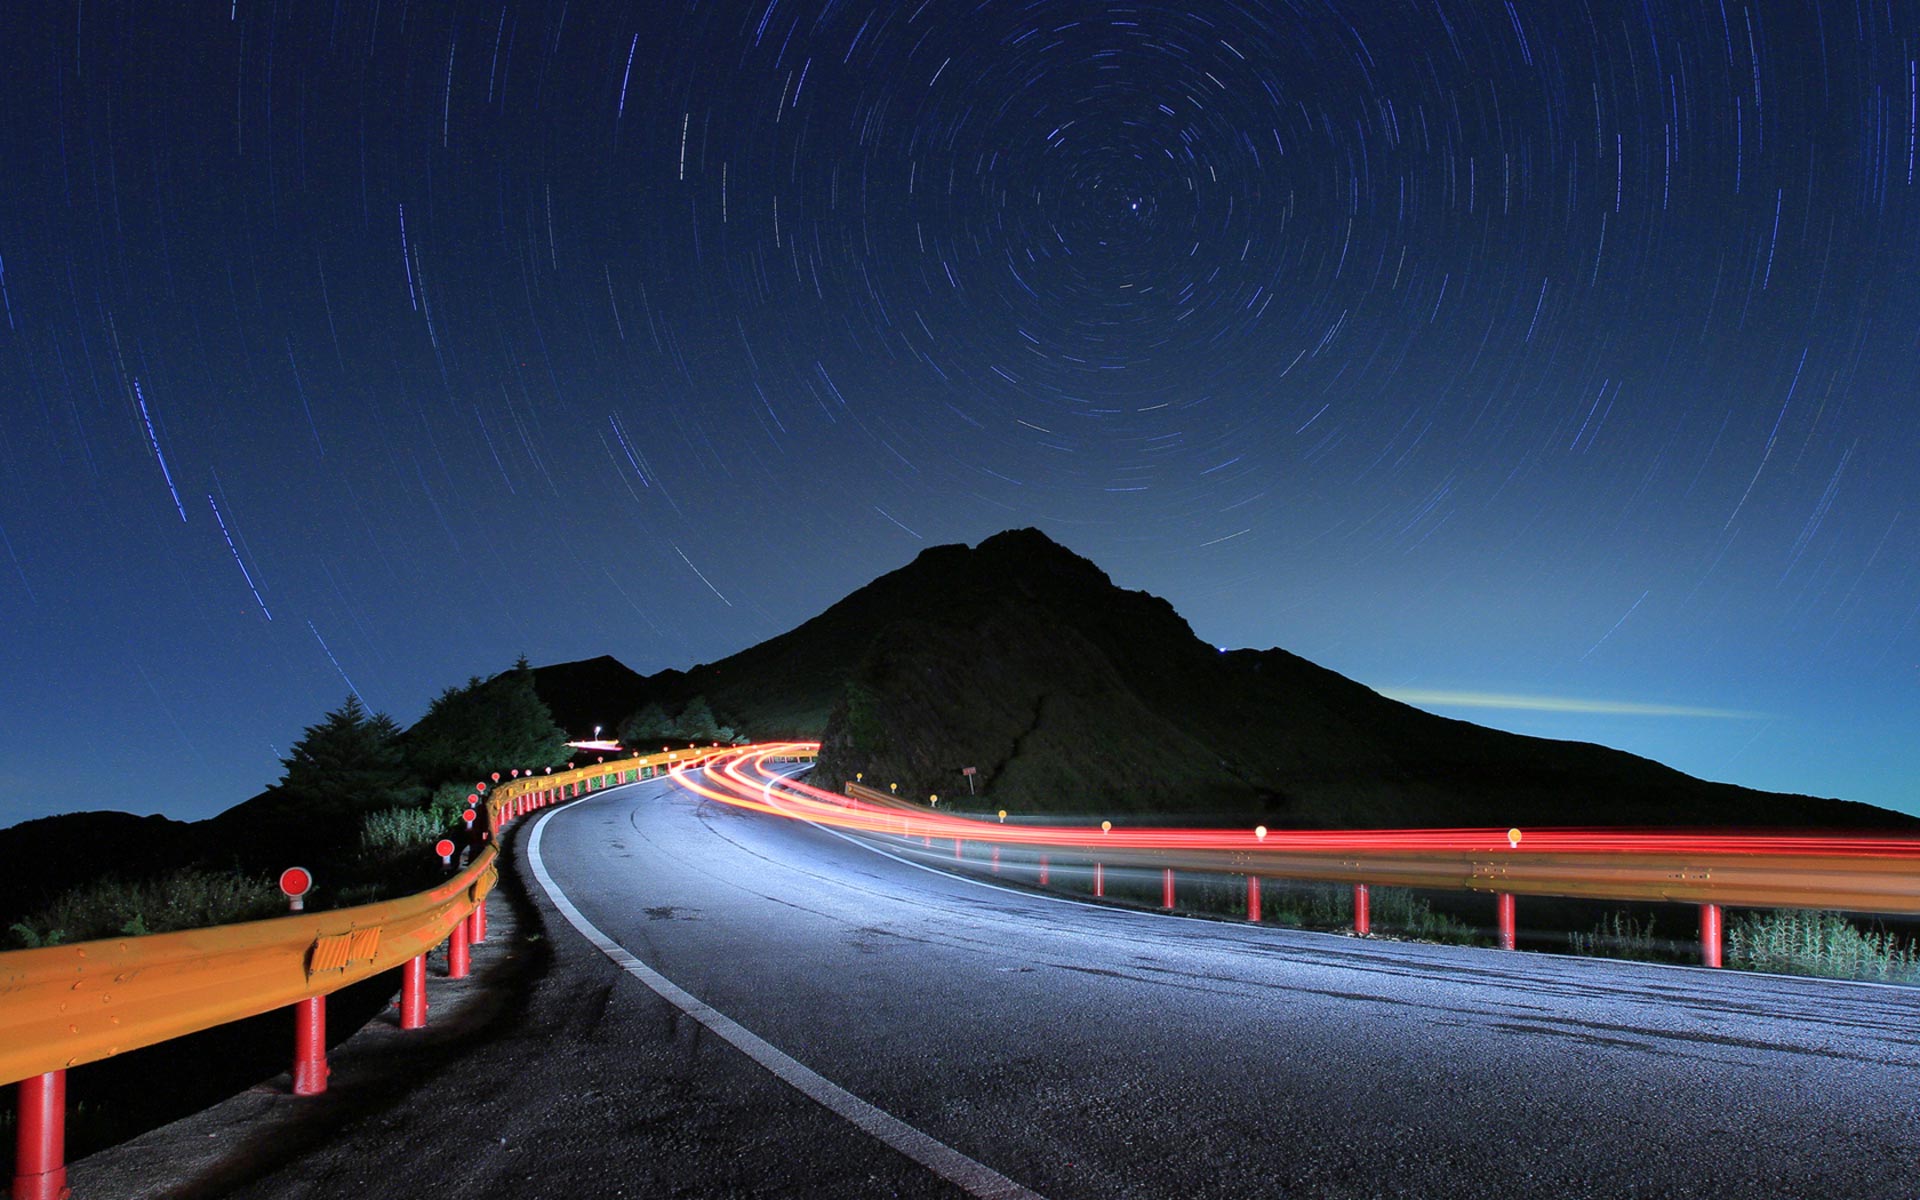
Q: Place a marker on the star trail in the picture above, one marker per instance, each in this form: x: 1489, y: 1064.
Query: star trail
x: 1561, y: 353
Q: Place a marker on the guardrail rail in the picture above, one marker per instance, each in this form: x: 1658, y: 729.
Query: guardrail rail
x: 67, y: 1005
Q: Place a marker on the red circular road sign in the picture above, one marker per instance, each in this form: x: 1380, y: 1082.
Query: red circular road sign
x: 496, y: 777
x: 468, y: 816
x: 444, y: 847
x: 296, y: 882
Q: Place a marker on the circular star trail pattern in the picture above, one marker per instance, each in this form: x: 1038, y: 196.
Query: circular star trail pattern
x: 1558, y: 365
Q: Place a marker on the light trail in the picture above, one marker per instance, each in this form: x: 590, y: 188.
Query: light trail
x: 1853, y: 872
x: 238, y: 561
x: 803, y: 800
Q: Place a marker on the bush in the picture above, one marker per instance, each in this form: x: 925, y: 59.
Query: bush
x: 1798, y: 942
x: 394, y: 832
x: 449, y: 800
x: 112, y: 907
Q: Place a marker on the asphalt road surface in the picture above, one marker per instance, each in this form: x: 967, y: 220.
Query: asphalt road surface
x: 896, y: 1016
x: 1082, y: 1051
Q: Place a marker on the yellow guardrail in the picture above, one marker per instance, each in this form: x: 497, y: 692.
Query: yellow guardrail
x: 63, y: 1006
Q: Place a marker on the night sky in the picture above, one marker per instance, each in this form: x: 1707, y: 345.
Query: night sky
x: 1553, y: 364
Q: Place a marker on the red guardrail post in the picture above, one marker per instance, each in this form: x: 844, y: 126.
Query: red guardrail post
x: 459, y: 960
x: 1362, y: 910
x: 1503, y: 919
x: 957, y: 855
x: 310, y: 1046
x: 1043, y: 870
x: 40, y: 1141
x: 996, y: 860
x: 1253, y: 897
x: 1166, y: 889
x: 479, y: 920
x: 1099, y: 880
x: 413, y: 993
x: 1709, y: 935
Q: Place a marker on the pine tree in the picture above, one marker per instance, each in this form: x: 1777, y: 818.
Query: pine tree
x: 350, y: 762
x: 696, y: 722
x: 648, y: 725
x: 488, y: 725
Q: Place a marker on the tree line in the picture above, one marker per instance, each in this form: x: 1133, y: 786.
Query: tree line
x: 354, y: 761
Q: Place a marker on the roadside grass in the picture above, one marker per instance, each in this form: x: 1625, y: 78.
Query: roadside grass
x: 1785, y: 941
x: 1621, y: 935
x: 113, y: 907
x: 193, y: 897
x: 1393, y: 912
x: 1800, y: 942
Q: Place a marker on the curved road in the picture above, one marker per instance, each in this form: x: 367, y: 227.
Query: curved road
x: 1083, y: 1051
x: 1026, y: 1045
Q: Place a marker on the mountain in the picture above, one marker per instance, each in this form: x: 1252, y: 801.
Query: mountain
x: 1066, y: 693
x: 47, y: 855
x: 594, y: 691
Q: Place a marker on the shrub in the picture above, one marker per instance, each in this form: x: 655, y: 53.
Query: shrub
x: 393, y: 832
x: 112, y: 907
x: 448, y: 801
x: 1799, y: 942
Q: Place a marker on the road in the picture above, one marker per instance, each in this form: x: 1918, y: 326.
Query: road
x: 1084, y: 1051
x: 1029, y: 1045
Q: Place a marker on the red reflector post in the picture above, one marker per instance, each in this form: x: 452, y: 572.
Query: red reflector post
x: 40, y: 1140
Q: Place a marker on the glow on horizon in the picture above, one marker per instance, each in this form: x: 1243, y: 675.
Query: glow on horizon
x: 1440, y: 698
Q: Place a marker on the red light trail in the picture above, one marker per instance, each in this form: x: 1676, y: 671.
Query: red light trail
x: 1860, y: 872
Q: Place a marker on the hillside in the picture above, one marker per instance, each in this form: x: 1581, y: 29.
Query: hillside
x: 1023, y: 660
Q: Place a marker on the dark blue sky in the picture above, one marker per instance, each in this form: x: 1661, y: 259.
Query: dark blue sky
x: 1555, y: 365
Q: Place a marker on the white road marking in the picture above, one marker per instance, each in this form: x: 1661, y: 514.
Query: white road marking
x: 976, y: 1178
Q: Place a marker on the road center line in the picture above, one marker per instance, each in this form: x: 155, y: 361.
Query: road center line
x: 943, y: 1160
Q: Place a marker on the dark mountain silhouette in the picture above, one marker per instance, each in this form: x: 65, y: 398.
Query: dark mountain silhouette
x: 594, y: 691
x: 1023, y: 660
x: 347, y: 766
x: 46, y: 856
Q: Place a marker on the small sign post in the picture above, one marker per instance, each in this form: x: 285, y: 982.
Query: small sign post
x: 444, y: 848
x: 969, y: 772
x: 295, y: 883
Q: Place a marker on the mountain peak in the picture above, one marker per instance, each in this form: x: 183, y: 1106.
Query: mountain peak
x: 1065, y: 692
